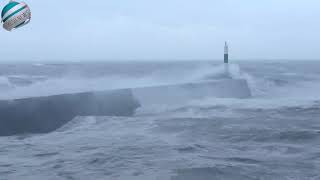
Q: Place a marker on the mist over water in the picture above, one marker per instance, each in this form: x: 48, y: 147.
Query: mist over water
x: 73, y: 78
x: 272, y: 135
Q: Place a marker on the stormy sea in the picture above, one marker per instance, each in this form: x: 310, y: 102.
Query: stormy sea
x: 271, y: 132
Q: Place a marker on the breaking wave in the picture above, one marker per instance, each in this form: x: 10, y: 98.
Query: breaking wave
x: 73, y: 82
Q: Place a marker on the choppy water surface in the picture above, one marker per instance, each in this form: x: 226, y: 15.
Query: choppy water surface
x: 273, y: 135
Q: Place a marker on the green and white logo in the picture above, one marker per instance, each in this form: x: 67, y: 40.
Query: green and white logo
x: 15, y: 15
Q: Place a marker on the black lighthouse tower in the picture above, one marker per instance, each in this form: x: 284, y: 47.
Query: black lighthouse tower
x: 226, y: 53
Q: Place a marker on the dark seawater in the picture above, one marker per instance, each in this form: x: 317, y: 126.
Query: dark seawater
x: 273, y: 135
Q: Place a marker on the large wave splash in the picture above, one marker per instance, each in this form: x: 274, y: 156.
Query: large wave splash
x: 46, y: 113
x: 24, y: 86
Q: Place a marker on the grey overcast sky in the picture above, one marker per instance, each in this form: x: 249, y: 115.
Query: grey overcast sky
x: 165, y: 29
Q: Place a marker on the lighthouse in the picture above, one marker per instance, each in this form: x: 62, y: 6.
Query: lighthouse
x: 226, y: 61
x: 226, y: 53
